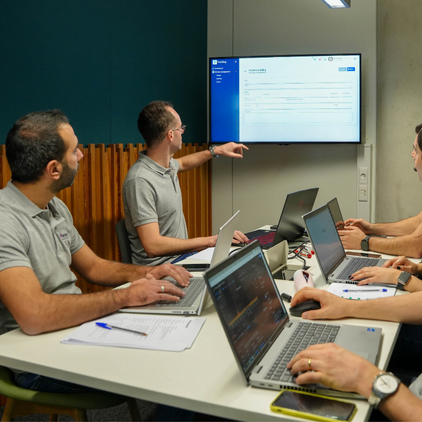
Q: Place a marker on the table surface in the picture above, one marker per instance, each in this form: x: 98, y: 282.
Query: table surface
x: 205, y: 378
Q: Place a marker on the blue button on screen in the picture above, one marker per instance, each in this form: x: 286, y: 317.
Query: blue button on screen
x: 342, y: 69
x: 350, y: 69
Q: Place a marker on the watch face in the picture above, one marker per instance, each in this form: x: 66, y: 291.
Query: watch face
x: 386, y: 384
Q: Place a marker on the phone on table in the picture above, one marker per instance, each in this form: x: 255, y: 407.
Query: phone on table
x: 312, y: 406
x: 364, y: 254
x: 195, y: 267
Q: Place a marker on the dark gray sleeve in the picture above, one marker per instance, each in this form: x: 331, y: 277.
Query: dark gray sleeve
x: 140, y: 201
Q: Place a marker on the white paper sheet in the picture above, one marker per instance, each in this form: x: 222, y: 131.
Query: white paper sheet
x: 168, y: 333
x: 203, y: 256
x: 360, y: 292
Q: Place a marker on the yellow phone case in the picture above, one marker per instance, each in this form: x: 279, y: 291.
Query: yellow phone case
x: 306, y: 415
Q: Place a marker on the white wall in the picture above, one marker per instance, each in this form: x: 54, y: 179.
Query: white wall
x: 259, y: 183
x: 399, y: 107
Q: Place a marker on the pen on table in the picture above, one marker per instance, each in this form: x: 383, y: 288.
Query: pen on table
x: 365, y: 290
x: 110, y: 327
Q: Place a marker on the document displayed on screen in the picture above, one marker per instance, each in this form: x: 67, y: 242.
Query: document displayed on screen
x: 295, y: 99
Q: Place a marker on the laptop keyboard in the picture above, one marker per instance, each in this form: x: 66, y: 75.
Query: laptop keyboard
x: 356, y: 264
x: 196, y: 286
x: 266, y: 239
x: 305, y: 334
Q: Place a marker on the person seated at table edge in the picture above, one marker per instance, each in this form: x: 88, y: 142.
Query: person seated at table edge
x: 39, y: 243
x: 337, y: 368
x: 393, y: 270
x: 408, y: 232
x: 151, y: 193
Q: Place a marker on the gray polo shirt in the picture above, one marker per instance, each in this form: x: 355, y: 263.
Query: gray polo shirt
x: 151, y: 194
x: 43, y: 240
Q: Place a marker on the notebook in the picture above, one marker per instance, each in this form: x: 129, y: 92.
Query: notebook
x: 290, y: 226
x: 335, y: 265
x: 259, y: 329
x: 196, y: 293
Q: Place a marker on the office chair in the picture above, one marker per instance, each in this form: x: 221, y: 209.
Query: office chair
x: 21, y: 402
x: 123, y: 239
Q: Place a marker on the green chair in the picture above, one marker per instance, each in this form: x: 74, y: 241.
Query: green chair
x: 21, y: 402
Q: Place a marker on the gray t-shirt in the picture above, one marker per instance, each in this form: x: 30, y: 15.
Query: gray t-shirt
x: 43, y: 240
x: 151, y: 194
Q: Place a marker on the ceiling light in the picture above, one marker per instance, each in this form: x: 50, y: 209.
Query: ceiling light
x: 337, y: 4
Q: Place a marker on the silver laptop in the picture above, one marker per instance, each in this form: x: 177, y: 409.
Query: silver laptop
x: 335, y: 265
x: 196, y: 295
x: 260, y: 331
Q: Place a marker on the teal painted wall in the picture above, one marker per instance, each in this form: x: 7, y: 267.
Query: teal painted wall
x: 101, y: 61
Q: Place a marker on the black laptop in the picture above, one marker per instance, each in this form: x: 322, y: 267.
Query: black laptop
x: 290, y: 226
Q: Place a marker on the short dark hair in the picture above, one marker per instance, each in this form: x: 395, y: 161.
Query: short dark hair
x: 153, y: 121
x: 419, y: 133
x: 33, y: 142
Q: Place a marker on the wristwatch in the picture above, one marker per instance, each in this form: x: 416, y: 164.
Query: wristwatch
x: 211, y: 149
x: 384, y: 385
x: 364, y: 245
x: 403, y: 279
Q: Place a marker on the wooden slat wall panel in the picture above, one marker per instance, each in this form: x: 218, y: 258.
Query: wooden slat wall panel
x: 95, y: 199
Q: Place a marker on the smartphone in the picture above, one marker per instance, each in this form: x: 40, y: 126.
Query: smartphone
x: 195, y: 267
x: 312, y: 406
x: 364, y: 254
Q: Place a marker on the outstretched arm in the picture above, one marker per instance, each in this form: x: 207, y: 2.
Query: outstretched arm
x: 403, y: 308
x: 342, y: 370
x: 409, y: 245
x: 109, y: 273
x: 157, y: 245
x: 36, y: 311
x: 191, y: 161
x: 398, y: 228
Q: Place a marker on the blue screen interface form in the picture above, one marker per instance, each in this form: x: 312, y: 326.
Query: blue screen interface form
x: 295, y: 99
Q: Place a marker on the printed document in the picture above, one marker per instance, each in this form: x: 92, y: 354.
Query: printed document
x: 170, y: 333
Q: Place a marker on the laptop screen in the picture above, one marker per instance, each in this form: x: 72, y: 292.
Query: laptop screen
x: 290, y: 226
x: 336, y: 213
x: 325, y: 239
x: 247, y: 302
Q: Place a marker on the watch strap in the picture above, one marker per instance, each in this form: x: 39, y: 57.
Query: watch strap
x: 403, y: 279
x: 211, y: 150
x: 364, y: 244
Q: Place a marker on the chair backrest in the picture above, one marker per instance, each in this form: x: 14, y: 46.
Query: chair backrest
x: 124, y: 244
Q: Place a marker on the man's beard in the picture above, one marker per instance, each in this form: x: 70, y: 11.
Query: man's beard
x: 66, y: 179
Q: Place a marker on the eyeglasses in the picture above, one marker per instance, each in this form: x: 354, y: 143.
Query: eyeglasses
x: 181, y: 128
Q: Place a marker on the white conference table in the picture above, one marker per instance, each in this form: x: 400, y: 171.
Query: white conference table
x: 204, y: 379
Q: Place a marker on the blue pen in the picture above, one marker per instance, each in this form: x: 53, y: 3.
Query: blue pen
x: 110, y: 327
x: 365, y: 290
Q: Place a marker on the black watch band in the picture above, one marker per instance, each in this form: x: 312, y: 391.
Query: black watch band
x: 403, y: 279
x: 364, y: 244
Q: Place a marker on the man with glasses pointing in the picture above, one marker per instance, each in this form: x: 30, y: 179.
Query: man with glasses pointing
x: 151, y: 193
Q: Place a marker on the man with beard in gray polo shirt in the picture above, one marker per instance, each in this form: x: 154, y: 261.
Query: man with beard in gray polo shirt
x: 38, y: 244
x: 151, y: 193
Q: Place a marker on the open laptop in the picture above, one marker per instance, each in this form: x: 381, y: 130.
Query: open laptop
x: 260, y: 331
x: 335, y: 265
x: 335, y: 211
x: 196, y: 293
x: 290, y: 226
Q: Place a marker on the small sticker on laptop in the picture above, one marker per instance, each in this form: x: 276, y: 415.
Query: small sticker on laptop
x: 370, y: 329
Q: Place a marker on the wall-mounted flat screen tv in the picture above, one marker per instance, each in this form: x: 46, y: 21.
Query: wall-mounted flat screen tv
x: 285, y: 99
